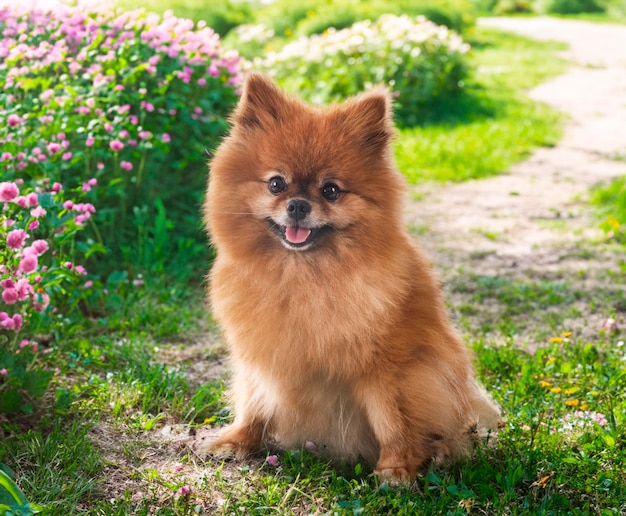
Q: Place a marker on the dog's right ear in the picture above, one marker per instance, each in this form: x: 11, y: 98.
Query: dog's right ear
x: 260, y: 103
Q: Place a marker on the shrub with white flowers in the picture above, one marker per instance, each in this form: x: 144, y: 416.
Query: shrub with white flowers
x: 420, y: 61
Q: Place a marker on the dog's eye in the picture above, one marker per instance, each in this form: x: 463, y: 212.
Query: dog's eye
x: 330, y: 192
x: 277, y: 185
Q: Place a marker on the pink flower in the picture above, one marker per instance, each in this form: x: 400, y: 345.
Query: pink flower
x: 10, y: 323
x: 108, y: 127
x: 166, y: 138
x: 126, y: 165
x: 9, y: 296
x: 33, y: 199
x: 37, y: 212
x: 28, y: 263
x: 57, y: 187
x: 16, y: 238
x: 33, y: 225
x: 88, y: 284
x: 68, y: 205
x: 145, y: 135
x: 92, y: 182
x: 184, y: 490
x: 6, y: 156
x: 3, y: 372
x: 116, y: 145
x: 80, y: 269
x: 609, y: 325
x: 8, y: 191
x: 66, y: 156
x: 89, y: 141
x: 272, y: 460
x: 53, y: 147
x: 39, y: 246
x: 23, y: 289
x: 13, y: 120
x: 24, y: 343
x: 41, y: 301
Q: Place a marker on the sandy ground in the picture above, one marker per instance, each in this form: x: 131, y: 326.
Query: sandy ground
x: 523, y: 208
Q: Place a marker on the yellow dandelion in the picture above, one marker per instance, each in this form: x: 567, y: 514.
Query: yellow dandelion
x: 556, y: 339
x: 571, y: 390
x: 584, y: 406
x: 614, y: 223
x: 288, y: 32
x: 550, y: 360
x: 572, y: 403
x: 566, y: 334
x: 544, y: 384
x: 556, y: 390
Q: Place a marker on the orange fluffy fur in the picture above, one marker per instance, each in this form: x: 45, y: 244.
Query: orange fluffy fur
x: 345, y: 341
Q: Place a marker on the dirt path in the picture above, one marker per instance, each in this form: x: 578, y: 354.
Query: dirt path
x: 513, y: 220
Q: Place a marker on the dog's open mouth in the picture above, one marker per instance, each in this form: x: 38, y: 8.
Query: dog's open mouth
x: 297, y: 237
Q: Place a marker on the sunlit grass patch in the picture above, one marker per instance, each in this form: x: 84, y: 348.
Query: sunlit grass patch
x: 610, y: 203
x: 493, y: 125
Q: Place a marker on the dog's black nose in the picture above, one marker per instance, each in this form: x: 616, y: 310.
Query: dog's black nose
x: 298, y: 209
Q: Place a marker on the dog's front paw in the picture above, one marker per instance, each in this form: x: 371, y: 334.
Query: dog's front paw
x: 237, y: 442
x: 397, y: 476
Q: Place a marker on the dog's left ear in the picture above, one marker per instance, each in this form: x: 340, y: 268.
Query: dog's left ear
x: 369, y: 118
x: 260, y: 103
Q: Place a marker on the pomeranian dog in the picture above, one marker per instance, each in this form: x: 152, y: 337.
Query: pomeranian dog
x: 336, y: 324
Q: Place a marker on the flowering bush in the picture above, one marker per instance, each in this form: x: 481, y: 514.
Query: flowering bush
x: 96, y: 109
x: 422, y: 63
x: 128, y: 99
x: 41, y: 283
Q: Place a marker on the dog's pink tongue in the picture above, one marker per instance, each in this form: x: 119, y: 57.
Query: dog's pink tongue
x: 297, y: 235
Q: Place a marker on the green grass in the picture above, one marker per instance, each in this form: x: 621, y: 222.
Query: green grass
x: 610, y: 203
x: 494, y: 125
x: 109, y: 443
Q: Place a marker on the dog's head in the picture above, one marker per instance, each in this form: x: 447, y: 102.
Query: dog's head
x: 302, y: 178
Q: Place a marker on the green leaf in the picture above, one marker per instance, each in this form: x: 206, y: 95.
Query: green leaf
x: 609, y: 440
x: 36, y: 382
x: 46, y: 200
x: 9, y: 486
